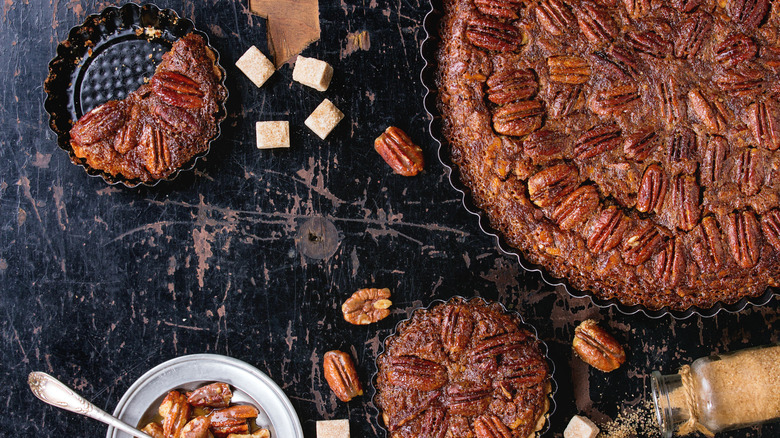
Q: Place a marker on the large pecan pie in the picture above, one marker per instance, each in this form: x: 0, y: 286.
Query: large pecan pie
x: 462, y: 369
x: 628, y: 146
x: 163, y: 124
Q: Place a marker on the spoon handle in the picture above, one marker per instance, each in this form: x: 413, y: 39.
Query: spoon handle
x: 55, y: 393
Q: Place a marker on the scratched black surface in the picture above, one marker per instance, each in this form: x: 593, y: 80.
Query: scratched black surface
x: 101, y: 283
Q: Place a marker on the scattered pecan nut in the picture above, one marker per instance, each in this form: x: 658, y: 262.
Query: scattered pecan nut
x: 596, y: 347
x: 367, y: 306
x: 341, y: 375
x: 398, y: 151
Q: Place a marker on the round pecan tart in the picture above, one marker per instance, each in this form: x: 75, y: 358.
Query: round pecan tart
x: 630, y: 147
x: 463, y: 369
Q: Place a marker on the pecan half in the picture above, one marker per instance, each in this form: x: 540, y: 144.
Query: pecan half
x: 596, y: 347
x: 498, y: 345
x: 749, y: 13
x: 652, y: 189
x: 596, y: 23
x: 341, y: 375
x: 619, y: 62
x: 670, y: 264
x: 672, y: 106
x: 233, y: 419
x: 399, y: 152
x: 571, y: 70
x: 749, y: 171
x: 555, y: 16
x: 682, y: 145
x: 708, y: 249
x: 648, y: 42
x: 517, y: 378
x: 640, y: 145
x: 434, y: 423
x: 490, y: 426
x: 156, y: 153
x: 493, y: 35
x: 576, y: 208
x: 467, y: 400
x: 177, y: 90
x: 506, y: 9
x: 714, y: 157
x: 770, y: 56
x: 419, y: 402
x: 519, y: 118
x: 367, y: 306
x: 642, y: 243
x: 744, y: 237
x: 175, y: 412
x: 544, y: 146
x: 764, y: 123
x: 565, y: 100
x: 705, y: 112
x: 614, y: 100
x: 100, y: 123
x: 215, y: 395
x: 550, y: 185
x: 178, y: 119
x: 512, y: 85
x: 735, y: 49
x: 770, y: 223
x: 637, y: 8
x: 742, y: 80
x: 597, y: 140
x: 456, y: 329
x: 608, y: 231
x: 127, y: 136
x: 693, y: 32
x: 413, y: 372
x: 685, y: 197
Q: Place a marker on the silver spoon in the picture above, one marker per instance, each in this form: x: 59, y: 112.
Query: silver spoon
x: 55, y: 393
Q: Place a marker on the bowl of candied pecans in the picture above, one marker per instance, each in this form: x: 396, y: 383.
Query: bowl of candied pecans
x: 207, y: 395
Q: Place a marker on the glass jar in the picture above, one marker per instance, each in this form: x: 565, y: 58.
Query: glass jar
x: 720, y: 392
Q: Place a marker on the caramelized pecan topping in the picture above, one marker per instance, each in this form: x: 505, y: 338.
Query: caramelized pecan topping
x: 608, y: 231
x: 693, y: 31
x: 770, y: 223
x: 414, y: 372
x: 519, y: 118
x: 493, y: 35
x: 648, y: 42
x: 670, y: 264
x: 490, y: 426
x: 597, y: 140
x: 512, y: 85
x: 100, y: 123
x: 640, y: 145
x: 735, y: 49
x: 456, y: 329
x: 652, y: 190
x: 506, y: 9
x: 682, y: 145
x: 749, y: 171
x: 614, y: 100
x: 596, y: 23
x: 742, y: 80
x: 576, y: 208
x: 550, y: 185
x: 714, y: 157
x: 544, y: 146
x: 571, y: 70
x: 686, y: 201
x: 642, y: 243
x: 708, y: 248
x: 555, y: 16
x: 749, y: 13
x: 705, y: 112
x: 764, y: 123
x: 744, y: 236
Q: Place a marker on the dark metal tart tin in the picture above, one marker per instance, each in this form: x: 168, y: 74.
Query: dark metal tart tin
x: 107, y: 57
x: 520, y: 323
x: 429, y: 50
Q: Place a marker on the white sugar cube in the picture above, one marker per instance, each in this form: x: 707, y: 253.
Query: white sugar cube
x: 255, y: 66
x: 312, y: 73
x: 273, y: 134
x: 581, y: 427
x: 333, y: 429
x: 324, y: 118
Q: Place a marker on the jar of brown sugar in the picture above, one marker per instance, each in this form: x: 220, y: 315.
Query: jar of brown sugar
x: 719, y: 392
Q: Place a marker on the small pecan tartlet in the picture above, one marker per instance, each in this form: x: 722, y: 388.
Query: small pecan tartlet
x: 465, y: 368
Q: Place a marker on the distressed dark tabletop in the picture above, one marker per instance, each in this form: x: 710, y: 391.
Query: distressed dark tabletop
x: 101, y: 283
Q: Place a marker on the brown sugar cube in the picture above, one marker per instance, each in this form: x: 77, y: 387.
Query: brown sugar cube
x: 324, y: 118
x: 255, y: 66
x: 581, y: 427
x: 333, y: 429
x: 272, y: 135
x: 312, y: 73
